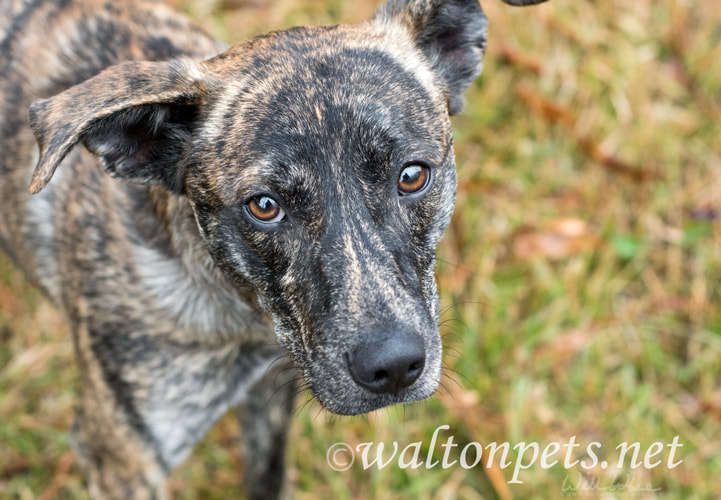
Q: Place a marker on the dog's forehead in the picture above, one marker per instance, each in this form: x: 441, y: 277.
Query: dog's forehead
x: 265, y: 60
x: 305, y: 82
x: 313, y: 64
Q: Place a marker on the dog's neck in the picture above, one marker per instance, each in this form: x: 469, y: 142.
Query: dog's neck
x: 189, y: 283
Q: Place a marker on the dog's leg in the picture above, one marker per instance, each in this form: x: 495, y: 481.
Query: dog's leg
x: 117, y: 458
x: 265, y: 417
x: 147, y: 399
x: 116, y: 462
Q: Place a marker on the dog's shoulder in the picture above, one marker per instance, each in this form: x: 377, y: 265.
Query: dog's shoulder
x: 54, y: 45
x: 46, y: 48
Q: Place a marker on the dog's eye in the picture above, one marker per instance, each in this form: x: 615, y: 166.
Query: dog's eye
x: 265, y: 209
x: 413, y: 179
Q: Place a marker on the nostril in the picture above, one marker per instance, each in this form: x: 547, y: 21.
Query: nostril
x: 415, y: 370
x: 387, y: 365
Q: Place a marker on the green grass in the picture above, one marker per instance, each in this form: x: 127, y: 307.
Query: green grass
x: 582, y: 272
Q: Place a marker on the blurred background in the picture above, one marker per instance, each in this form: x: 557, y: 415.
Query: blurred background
x: 581, y: 275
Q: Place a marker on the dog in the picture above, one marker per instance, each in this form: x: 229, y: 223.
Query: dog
x: 237, y: 216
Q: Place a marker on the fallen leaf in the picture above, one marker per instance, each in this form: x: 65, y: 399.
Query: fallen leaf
x: 558, y: 240
x: 565, y: 346
x: 563, y: 115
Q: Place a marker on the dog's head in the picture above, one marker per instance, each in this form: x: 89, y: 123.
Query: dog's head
x: 319, y: 165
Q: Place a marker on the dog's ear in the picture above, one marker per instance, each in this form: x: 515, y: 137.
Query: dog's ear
x: 137, y: 117
x: 450, y: 33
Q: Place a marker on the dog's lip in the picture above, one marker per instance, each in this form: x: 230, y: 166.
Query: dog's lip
x: 373, y: 402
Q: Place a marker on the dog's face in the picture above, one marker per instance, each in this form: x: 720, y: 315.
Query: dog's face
x: 319, y: 165
x: 327, y: 180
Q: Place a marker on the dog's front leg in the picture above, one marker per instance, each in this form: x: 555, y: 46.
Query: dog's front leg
x: 117, y: 464
x: 265, y: 417
x: 150, y: 394
x: 115, y: 453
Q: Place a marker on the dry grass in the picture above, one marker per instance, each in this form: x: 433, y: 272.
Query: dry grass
x: 582, y: 270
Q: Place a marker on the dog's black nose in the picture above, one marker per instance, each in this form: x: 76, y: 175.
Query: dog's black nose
x: 389, y: 364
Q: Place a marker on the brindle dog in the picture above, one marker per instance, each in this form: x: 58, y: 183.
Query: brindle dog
x: 285, y: 195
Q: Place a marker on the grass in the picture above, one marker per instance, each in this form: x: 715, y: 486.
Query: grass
x: 581, y: 274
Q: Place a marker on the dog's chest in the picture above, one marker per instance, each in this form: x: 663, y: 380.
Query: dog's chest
x: 197, y: 388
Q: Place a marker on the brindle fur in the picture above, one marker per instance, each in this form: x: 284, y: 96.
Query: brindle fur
x: 180, y: 305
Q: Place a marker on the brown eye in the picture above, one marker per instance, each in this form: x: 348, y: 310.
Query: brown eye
x: 413, y: 179
x: 265, y: 209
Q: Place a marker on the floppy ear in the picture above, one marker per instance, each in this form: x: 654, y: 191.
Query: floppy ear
x: 137, y: 117
x: 451, y: 34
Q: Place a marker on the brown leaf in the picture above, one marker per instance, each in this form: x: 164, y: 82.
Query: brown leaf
x: 556, y: 113
x: 60, y: 477
x: 560, y: 239
x: 565, y: 346
x: 465, y: 405
x: 544, y: 107
x: 513, y: 56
